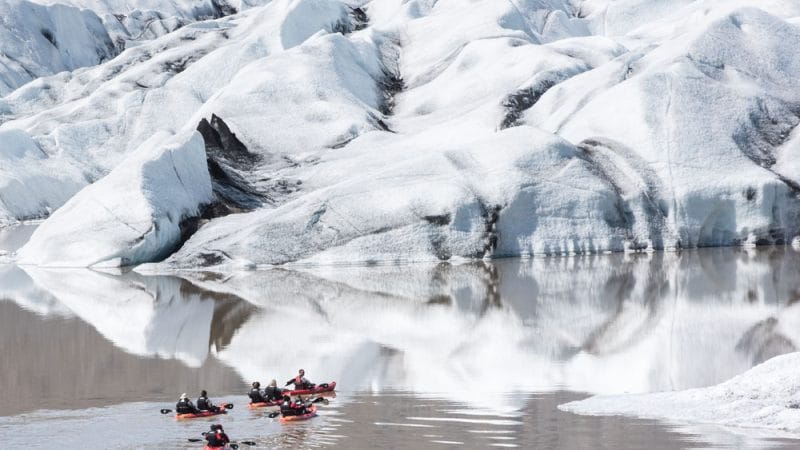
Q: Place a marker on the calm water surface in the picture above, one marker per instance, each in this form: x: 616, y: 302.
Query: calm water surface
x: 427, y: 356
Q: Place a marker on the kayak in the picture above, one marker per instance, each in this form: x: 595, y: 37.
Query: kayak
x: 264, y: 404
x: 200, y: 414
x: 312, y: 412
x: 316, y: 390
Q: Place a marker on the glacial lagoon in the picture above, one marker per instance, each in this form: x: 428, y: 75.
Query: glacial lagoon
x: 470, y: 355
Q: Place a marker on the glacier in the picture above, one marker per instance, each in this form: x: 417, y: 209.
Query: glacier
x: 39, y: 38
x: 158, y: 187
x: 385, y: 131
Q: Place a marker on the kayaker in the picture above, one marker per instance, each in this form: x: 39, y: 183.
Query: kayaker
x: 287, y: 408
x: 255, y: 393
x: 300, y: 381
x: 272, y: 392
x: 300, y: 406
x: 216, y: 437
x: 204, y: 404
x: 185, y: 406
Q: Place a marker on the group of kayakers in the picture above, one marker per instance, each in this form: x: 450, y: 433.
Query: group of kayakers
x: 272, y: 395
x: 269, y: 394
x: 185, y: 405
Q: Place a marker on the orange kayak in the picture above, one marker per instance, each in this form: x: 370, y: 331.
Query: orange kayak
x: 264, y: 404
x: 200, y: 414
x: 312, y: 412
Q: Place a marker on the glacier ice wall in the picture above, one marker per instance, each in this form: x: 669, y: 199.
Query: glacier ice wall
x: 385, y: 131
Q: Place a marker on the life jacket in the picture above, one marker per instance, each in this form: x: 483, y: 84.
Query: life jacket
x: 203, y: 404
x: 216, y: 439
x: 255, y: 396
x: 287, y: 409
x: 184, y: 406
x: 272, y: 393
x: 298, y: 382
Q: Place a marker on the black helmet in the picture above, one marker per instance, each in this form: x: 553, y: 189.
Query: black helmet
x: 203, y: 393
x: 286, y: 398
x: 256, y: 384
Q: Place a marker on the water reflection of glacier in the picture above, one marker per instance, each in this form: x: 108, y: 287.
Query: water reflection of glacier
x: 146, y: 316
x: 600, y: 324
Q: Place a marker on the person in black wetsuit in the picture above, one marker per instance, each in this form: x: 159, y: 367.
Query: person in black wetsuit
x: 204, y: 404
x: 273, y: 392
x: 216, y: 437
x: 256, y: 396
x: 185, y: 406
x: 300, y: 381
x: 287, y: 407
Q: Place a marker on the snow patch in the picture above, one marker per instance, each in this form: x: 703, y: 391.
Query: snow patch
x: 766, y: 396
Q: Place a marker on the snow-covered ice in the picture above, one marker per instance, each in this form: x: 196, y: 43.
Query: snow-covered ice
x: 386, y: 131
x: 766, y: 396
x: 43, y: 37
x: 39, y: 40
x: 135, y: 212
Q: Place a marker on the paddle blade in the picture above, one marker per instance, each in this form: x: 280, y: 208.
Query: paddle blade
x: 273, y: 415
x: 194, y: 440
x: 247, y: 442
x: 233, y: 446
x: 228, y: 405
x: 166, y: 411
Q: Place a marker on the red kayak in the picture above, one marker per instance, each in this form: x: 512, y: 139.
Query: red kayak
x: 312, y: 412
x: 200, y: 414
x: 316, y: 390
x: 264, y: 404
